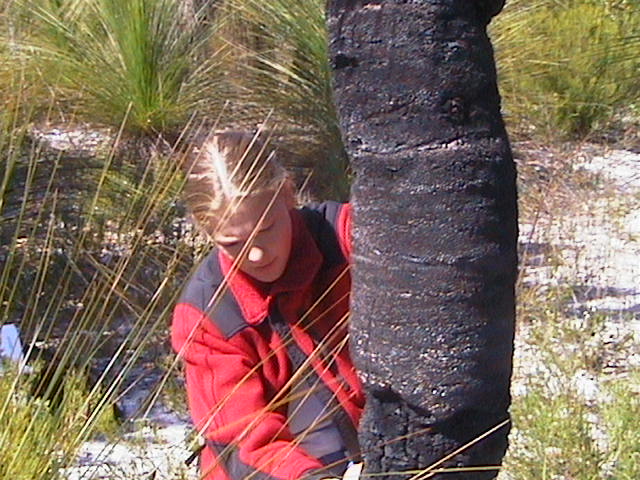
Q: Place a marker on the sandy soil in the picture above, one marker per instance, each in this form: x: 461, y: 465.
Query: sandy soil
x: 592, y: 246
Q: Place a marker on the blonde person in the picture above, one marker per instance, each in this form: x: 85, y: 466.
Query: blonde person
x: 262, y: 323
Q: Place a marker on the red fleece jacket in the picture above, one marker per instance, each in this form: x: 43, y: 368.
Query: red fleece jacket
x: 237, y: 384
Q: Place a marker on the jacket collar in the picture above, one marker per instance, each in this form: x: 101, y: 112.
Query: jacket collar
x: 255, y: 298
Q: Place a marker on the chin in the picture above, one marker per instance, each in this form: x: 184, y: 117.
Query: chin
x: 272, y: 278
x: 267, y: 276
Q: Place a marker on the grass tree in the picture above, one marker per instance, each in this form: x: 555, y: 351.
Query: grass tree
x: 156, y: 62
x: 143, y: 60
x: 142, y: 69
x: 280, y: 69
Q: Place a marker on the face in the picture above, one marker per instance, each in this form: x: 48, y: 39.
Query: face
x: 258, y: 235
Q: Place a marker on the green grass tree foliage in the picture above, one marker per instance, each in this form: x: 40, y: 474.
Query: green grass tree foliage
x: 147, y: 60
x: 142, y: 67
x: 17, y: 82
x: 280, y: 68
x: 566, y: 67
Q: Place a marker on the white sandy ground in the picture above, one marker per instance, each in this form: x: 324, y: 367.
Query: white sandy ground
x: 594, y: 247
x: 155, y: 451
x: 598, y: 250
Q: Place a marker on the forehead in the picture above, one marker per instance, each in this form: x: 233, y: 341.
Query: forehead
x: 248, y: 214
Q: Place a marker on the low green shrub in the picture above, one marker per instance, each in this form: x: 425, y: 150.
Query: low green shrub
x: 567, y: 67
x: 571, y: 419
x: 40, y: 437
x: 621, y: 416
x: 552, y: 438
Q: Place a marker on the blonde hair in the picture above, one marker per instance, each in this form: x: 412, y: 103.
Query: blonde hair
x: 226, y: 166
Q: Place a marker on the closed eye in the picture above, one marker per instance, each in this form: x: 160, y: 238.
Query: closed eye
x: 232, y: 244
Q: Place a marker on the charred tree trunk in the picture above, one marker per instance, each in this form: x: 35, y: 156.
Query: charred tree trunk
x: 435, y: 231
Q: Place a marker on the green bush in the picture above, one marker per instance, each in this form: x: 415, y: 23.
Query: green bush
x: 39, y: 438
x: 28, y: 426
x: 557, y: 439
x: 567, y: 67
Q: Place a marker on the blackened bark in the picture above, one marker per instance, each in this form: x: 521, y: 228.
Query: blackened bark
x: 435, y: 230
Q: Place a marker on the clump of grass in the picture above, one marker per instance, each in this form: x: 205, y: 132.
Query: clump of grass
x: 70, y: 284
x: 280, y: 68
x: 566, y: 67
x: 144, y: 60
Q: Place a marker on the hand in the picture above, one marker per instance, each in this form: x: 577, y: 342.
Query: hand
x: 353, y: 471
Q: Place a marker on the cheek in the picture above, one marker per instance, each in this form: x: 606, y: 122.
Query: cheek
x: 287, y: 242
x: 280, y: 243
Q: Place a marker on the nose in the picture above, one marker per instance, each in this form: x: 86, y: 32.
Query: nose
x: 255, y: 255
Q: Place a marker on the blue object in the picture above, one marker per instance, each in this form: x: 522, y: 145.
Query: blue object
x: 11, y: 346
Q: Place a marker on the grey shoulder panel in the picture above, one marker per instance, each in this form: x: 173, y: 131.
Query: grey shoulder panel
x: 225, y: 312
x: 321, y: 220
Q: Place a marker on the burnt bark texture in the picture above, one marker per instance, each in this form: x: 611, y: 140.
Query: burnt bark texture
x: 435, y: 232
